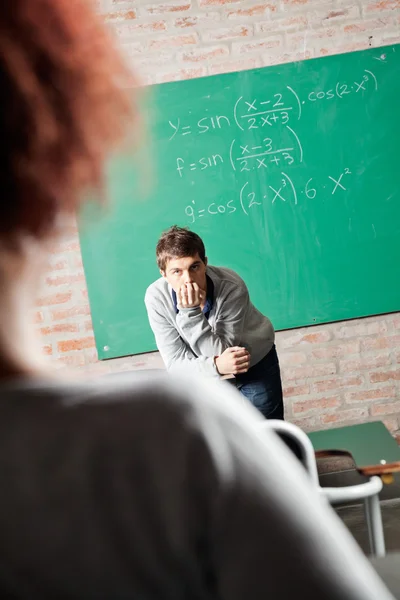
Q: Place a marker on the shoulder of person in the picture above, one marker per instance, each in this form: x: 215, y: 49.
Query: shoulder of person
x: 226, y: 278
x: 136, y: 411
x: 156, y: 291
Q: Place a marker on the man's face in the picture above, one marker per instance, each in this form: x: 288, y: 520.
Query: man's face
x: 190, y: 269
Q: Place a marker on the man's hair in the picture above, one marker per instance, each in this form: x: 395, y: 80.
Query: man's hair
x: 178, y: 242
x: 61, y: 110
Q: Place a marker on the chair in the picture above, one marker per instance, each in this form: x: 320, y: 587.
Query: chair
x: 301, y: 444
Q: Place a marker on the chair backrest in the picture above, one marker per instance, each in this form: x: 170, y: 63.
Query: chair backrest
x: 299, y: 444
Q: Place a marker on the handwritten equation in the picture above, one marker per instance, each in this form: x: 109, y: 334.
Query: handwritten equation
x: 285, y: 149
x: 278, y: 110
x: 275, y: 145
x: 285, y: 191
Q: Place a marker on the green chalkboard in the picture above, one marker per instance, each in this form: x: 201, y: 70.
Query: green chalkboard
x: 291, y: 174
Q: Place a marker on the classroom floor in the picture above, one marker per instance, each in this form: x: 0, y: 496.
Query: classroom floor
x: 353, y: 515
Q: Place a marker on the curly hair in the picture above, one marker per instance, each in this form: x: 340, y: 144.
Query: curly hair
x: 62, y: 109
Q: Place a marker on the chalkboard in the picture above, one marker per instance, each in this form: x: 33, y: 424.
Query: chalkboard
x: 291, y: 174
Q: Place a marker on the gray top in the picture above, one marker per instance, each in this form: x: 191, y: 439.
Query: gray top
x: 161, y: 490
x: 187, y: 340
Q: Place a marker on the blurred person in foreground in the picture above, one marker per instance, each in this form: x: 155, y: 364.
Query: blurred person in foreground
x: 157, y: 489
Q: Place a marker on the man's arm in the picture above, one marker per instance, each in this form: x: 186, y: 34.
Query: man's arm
x: 229, y: 326
x: 174, y: 352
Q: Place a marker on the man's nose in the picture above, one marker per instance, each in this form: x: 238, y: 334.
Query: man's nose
x: 189, y: 277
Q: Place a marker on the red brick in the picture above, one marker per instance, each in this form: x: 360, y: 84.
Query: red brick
x: 279, y: 59
x: 197, y: 20
x: 226, y: 33
x: 396, y: 322
x: 292, y: 358
x: 73, y: 360
x: 324, y: 34
x: 129, y: 30
x: 318, y: 404
x: 378, y: 343
x: 91, y: 356
x: 305, y: 372
x: 344, y: 48
x: 365, y: 362
x: 235, y: 65
x: 173, y: 42
x: 68, y: 313
x: 387, y: 40
x: 47, y: 349
x: 204, y: 54
x: 291, y: 339
x: 184, y: 22
x: 366, y: 26
x: 361, y: 329
x: 64, y: 280
x: 217, y: 2
x: 334, y: 14
x: 385, y: 409
x: 336, y: 351
x: 382, y: 376
x: 391, y: 423
x: 121, y: 15
x: 253, y: 11
x: 77, y: 262
x: 378, y: 393
x: 37, y: 317
x: 308, y: 423
x: 343, y: 416
x: 77, y: 344
x: 257, y: 46
x: 60, y: 265
x: 89, y: 326
x: 296, y: 390
x: 177, y: 75
x: 167, y: 8
x: 60, y: 328
x: 338, y: 383
x: 54, y: 299
x: 292, y: 23
x: 64, y: 246
x: 382, y: 5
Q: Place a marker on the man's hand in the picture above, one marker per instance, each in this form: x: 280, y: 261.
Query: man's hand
x: 190, y: 295
x: 233, y: 361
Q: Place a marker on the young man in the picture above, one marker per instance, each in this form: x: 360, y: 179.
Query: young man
x: 202, y: 318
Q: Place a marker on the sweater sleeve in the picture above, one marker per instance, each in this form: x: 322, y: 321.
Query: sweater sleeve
x: 177, y: 356
x: 229, y: 325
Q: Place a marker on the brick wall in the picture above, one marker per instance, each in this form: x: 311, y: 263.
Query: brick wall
x: 337, y: 373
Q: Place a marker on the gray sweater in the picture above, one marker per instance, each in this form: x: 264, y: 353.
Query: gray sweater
x: 161, y: 489
x: 187, y: 340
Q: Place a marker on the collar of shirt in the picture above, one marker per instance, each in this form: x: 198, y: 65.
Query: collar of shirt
x: 209, y: 298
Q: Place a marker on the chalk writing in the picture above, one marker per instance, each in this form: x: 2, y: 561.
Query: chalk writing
x: 201, y: 164
x: 251, y: 114
x: 280, y: 191
x: 249, y: 157
x: 342, y: 89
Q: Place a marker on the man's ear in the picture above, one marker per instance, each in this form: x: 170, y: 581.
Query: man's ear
x: 206, y: 261
x: 162, y: 273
